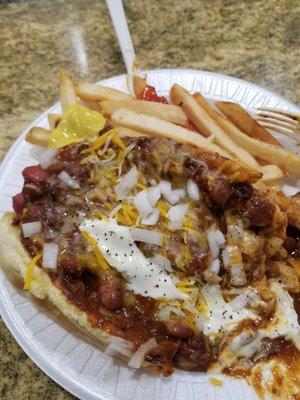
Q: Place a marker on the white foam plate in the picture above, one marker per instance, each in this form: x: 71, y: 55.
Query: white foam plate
x: 75, y: 365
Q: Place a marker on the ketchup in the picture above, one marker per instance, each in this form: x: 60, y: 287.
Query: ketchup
x: 149, y: 94
x: 191, y: 127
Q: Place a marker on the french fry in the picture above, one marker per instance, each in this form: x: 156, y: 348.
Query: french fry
x: 54, y: 120
x: 270, y: 172
x: 239, y: 117
x: 204, y: 104
x: 139, y: 85
x: 211, y: 154
x: 266, y: 151
x: 122, y: 131
x: 67, y: 92
x: 206, y: 125
x: 168, y: 112
x: 38, y: 136
x: 92, y: 92
x: 159, y: 127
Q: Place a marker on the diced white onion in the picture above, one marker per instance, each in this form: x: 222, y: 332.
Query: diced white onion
x: 168, y: 193
x: 152, y: 218
x: 154, y: 194
x: 50, y: 255
x: 236, y: 233
x: 215, y: 240
x: 290, y: 190
x: 68, y: 180
x: 127, y: 183
x: 166, y: 190
x: 241, y: 340
x: 44, y: 156
x: 193, y: 190
x: 175, y: 225
x: 146, y: 236
x: 239, y: 302
x: 200, y: 322
x: 238, y: 276
x: 176, y: 215
x: 214, y: 266
x: 180, y: 193
x: 119, y: 346
x: 47, y: 157
x: 232, y: 259
x: 162, y: 262
x: 138, y: 357
x: 31, y: 228
x: 142, y: 204
x: 226, y: 256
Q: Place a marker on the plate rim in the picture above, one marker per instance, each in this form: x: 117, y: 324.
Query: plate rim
x: 68, y: 382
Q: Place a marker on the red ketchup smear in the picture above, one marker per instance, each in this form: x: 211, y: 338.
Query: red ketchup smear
x: 191, y: 127
x: 149, y: 94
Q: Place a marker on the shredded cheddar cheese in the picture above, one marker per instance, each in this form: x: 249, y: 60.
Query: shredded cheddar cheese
x: 127, y: 218
x: 116, y: 140
x: 202, y: 303
x: 137, y: 221
x: 163, y: 208
x: 216, y: 382
x: 99, y: 214
x: 109, y: 206
x: 188, y: 224
x: 186, y: 253
x: 185, y: 283
x: 141, y: 186
x: 128, y: 209
x: 90, y: 261
x: 99, y: 142
x: 29, y: 272
x: 92, y: 242
x: 121, y: 157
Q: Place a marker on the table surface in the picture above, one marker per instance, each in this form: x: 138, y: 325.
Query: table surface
x: 254, y: 40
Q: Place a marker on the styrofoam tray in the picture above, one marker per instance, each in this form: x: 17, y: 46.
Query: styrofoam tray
x: 77, y: 366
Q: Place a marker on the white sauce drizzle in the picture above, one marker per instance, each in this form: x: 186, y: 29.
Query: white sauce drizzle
x: 221, y: 315
x: 118, y: 248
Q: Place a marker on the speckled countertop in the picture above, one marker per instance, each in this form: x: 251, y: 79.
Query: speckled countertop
x: 256, y: 40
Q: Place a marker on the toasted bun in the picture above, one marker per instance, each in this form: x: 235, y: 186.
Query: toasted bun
x: 48, y: 298
x: 14, y: 260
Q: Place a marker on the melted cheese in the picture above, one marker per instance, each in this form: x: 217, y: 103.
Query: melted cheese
x: 29, y: 272
x: 119, y: 250
x: 284, y: 323
x: 219, y: 314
